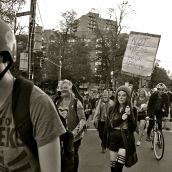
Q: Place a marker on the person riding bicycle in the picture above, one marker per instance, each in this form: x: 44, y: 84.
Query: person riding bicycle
x: 158, y: 106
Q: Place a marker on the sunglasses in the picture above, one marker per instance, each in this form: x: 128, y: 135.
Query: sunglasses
x: 160, y: 89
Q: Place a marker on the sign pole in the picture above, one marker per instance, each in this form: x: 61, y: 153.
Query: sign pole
x: 31, y: 38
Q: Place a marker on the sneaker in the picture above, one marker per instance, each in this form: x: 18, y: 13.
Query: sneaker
x: 148, y: 139
x: 138, y: 143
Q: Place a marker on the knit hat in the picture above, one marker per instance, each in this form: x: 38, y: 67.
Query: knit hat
x: 125, y: 89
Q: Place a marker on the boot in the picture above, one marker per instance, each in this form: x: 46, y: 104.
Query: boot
x: 118, y: 167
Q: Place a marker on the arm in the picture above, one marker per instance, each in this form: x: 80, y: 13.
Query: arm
x: 151, y: 104
x: 97, y: 110
x: 47, y: 127
x: 49, y: 156
x: 166, y: 102
x: 132, y: 120
x: 135, y: 102
x: 82, y: 118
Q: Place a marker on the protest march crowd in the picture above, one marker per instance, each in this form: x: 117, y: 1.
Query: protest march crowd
x: 43, y: 133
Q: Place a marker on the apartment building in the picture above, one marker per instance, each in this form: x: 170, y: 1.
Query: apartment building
x: 87, y: 26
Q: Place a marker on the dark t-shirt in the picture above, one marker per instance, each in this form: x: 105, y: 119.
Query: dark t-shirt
x: 14, y: 155
x: 170, y: 97
x: 159, y: 103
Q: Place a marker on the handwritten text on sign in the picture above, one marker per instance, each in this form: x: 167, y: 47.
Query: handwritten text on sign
x: 140, y: 54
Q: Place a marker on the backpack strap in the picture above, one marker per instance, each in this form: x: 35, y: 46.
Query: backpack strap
x: 22, y: 90
x: 75, y: 104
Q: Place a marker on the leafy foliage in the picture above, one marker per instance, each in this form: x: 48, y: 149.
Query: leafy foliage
x: 76, y: 63
x: 8, y: 9
x: 112, y: 43
x: 159, y: 75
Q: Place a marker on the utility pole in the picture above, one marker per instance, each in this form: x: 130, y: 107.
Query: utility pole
x: 31, y: 38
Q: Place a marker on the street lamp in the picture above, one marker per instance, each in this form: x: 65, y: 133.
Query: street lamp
x: 112, y: 78
x: 60, y: 69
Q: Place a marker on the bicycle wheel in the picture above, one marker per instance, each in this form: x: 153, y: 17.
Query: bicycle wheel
x: 158, y: 145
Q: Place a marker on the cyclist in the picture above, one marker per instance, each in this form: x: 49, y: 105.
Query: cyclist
x: 158, y: 105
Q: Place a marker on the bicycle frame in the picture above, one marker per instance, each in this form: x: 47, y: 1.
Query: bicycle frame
x: 157, y: 140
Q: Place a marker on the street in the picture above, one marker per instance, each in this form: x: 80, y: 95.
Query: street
x: 92, y: 160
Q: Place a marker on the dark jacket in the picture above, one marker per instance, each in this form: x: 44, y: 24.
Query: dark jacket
x: 153, y: 103
x: 114, y: 119
x: 127, y: 135
x: 132, y: 124
x: 169, y: 97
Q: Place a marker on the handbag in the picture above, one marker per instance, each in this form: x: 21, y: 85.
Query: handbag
x: 129, y: 143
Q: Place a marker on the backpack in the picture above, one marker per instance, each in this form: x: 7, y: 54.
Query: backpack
x: 22, y: 90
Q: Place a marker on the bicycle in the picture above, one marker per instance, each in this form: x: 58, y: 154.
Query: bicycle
x: 157, y: 139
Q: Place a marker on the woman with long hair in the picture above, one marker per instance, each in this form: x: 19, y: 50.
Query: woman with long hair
x: 118, y: 134
x: 140, y: 104
x: 72, y: 111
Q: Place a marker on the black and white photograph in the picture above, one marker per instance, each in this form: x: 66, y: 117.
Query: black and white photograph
x: 85, y: 86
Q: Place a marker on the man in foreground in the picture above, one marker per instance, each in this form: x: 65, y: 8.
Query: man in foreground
x: 47, y: 127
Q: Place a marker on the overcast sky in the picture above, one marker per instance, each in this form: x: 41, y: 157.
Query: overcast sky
x: 152, y: 16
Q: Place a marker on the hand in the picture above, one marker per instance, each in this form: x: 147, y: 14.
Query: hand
x: 139, y: 110
x: 124, y: 116
x: 147, y: 118
x: 127, y: 110
x: 87, y: 110
x: 64, y: 114
x: 75, y: 132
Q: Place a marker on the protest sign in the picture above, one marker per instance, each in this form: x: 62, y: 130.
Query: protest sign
x: 140, y: 54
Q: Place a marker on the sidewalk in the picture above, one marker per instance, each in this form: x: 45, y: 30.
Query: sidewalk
x: 167, y: 125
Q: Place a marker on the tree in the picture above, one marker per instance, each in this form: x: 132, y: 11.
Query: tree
x: 52, y: 62
x: 9, y: 8
x: 76, y: 64
x: 112, y: 42
x: 159, y: 75
x: 107, y: 63
x: 73, y: 51
x: 65, y: 27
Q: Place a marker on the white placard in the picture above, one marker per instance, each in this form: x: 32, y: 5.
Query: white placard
x: 140, y: 54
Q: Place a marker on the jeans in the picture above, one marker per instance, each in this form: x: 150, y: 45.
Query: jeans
x: 76, y: 154
x: 151, y: 123
x: 101, y: 126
